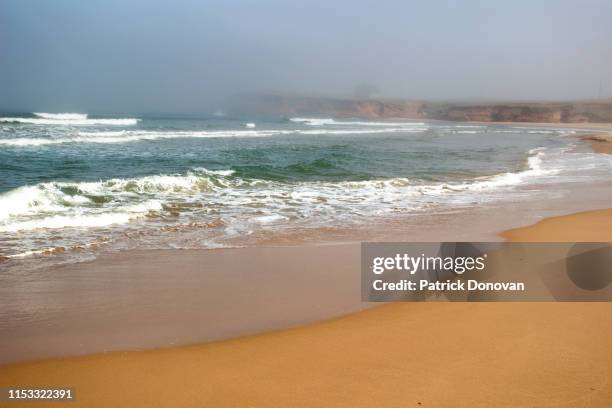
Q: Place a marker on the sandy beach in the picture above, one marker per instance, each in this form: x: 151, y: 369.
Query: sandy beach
x: 405, y: 354
x: 588, y: 226
x: 461, y: 355
x: 395, y: 355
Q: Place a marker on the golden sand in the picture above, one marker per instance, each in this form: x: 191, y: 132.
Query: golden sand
x: 589, y: 226
x: 398, y: 355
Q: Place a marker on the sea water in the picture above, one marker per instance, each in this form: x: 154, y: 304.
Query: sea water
x: 72, y: 184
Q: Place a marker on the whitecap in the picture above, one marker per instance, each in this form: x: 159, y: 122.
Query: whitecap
x: 61, y: 116
x: 330, y: 121
x: 70, y: 119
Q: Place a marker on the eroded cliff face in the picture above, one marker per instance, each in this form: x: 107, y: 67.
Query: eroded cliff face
x: 570, y: 112
x: 294, y: 106
x: 575, y: 112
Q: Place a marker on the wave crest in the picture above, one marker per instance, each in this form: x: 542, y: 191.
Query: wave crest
x: 330, y: 121
x: 69, y: 119
x: 113, y: 201
x: 61, y: 116
x: 128, y: 136
x: 120, y: 200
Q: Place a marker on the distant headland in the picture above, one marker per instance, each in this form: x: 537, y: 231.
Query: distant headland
x: 596, y: 111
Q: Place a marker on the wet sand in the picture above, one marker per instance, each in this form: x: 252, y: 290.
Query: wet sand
x: 601, y: 143
x: 137, y: 300
x: 587, y: 226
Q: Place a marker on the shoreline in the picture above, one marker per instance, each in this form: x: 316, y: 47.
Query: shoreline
x: 321, y: 234
x: 129, y: 301
x: 281, y: 319
x: 583, y: 226
x: 127, y: 288
x: 600, y: 143
x: 393, y: 355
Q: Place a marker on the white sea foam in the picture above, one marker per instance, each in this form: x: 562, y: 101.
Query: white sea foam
x: 25, y: 200
x: 62, y: 116
x: 128, y: 136
x: 69, y: 119
x: 269, y: 219
x: 120, y: 136
x: 25, y: 141
x: 124, y: 136
x: 90, y: 210
x: 215, y: 172
x: 72, y: 221
x: 120, y: 201
x: 127, y: 196
x: 330, y: 121
x: 360, y: 131
x: 534, y: 170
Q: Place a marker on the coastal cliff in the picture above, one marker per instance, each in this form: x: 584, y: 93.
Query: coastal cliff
x: 552, y: 112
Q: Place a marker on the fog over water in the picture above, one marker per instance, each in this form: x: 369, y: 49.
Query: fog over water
x: 189, y: 56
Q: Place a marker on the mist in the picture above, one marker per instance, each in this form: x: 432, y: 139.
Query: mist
x: 187, y: 56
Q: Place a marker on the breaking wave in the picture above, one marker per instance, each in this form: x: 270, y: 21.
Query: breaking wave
x: 127, y: 136
x: 298, y: 179
x: 69, y: 119
x: 103, y: 203
x: 120, y: 201
x: 330, y: 121
x: 62, y: 116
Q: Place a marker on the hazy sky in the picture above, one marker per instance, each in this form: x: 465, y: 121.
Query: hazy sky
x: 173, y: 56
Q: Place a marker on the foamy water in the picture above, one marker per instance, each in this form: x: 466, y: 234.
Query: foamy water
x: 71, y: 184
x: 68, y: 119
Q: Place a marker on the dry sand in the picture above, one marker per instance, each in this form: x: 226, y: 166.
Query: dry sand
x: 589, y: 226
x: 399, y: 355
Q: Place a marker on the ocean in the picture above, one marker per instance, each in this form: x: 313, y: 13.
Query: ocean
x: 72, y: 185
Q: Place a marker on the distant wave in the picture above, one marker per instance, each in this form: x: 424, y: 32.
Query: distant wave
x: 25, y: 141
x: 127, y: 136
x: 360, y: 131
x: 69, y: 119
x: 330, y: 121
x: 61, y: 116
x: 124, y: 136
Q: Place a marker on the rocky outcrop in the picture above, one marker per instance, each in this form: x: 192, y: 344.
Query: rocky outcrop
x: 292, y: 106
x: 572, y: 112
x: 562, y: 112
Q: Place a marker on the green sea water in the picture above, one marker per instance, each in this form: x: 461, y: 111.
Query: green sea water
x: 77, y: 181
